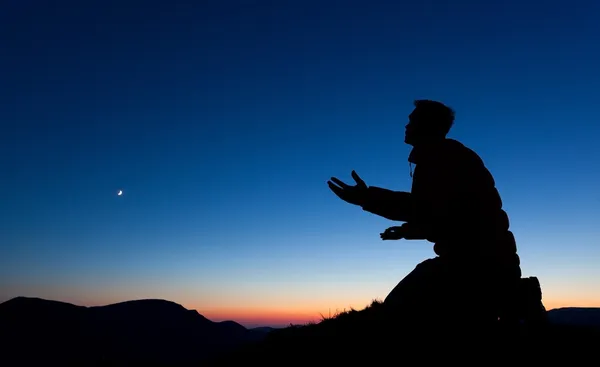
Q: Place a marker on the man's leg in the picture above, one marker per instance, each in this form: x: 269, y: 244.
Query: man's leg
x: 419, y: 288
x: 438, y: 291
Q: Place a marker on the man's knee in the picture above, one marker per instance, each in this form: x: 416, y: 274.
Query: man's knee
x: 421, y: 285
x: 430, y: 266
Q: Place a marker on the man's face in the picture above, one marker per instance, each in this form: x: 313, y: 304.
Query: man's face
x: 411, y: 131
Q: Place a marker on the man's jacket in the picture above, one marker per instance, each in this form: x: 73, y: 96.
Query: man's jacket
x: 453, y: 201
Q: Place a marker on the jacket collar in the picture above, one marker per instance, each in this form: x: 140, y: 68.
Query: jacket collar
x: 429, y: 151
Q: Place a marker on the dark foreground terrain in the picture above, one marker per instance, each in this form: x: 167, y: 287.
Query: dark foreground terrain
x: 156, y: 332
x: 152, y: 332
x: 368, y: 337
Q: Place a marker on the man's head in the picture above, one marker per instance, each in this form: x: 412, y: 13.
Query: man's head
x: 429, y: 121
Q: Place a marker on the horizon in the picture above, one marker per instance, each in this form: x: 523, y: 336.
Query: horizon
x: 283, y: 319
x: 180, y: 151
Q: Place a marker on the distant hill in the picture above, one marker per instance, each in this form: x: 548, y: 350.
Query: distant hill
x: 576, y: 316
x: 264, y: 329
x: 35, y: 330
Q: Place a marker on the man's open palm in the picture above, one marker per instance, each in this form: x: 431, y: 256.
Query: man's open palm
x: 356, y: 194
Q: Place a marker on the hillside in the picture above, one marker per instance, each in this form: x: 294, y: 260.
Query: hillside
x: 367, y: 335
x: 576, y: 316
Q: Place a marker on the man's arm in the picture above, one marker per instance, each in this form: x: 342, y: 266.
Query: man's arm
x: 393, y: 205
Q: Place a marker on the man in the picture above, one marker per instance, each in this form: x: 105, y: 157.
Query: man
x: 454, y: 204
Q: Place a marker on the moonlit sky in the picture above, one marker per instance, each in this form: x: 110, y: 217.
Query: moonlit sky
x: 222, y: 123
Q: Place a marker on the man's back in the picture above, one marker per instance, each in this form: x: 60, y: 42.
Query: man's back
x: 455, y: 198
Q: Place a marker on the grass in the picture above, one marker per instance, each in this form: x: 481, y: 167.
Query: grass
x: 372, y: 335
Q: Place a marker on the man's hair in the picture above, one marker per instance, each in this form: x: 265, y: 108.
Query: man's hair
x: 438, y: 113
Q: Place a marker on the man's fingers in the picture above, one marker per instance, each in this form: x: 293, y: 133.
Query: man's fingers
x: 358, y: 180
x: 391, y: 230
x: 385, y: 236
x: 336, y: 189
x: 392, y: 233
x: 340, y: 183
x: 333, y: 186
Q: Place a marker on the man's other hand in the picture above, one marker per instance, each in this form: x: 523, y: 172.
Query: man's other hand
x: 406, y: 231
x: 356, y: 194
x: 393, y: 233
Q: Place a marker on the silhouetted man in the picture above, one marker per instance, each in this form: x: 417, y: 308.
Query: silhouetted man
x: 454, y: 204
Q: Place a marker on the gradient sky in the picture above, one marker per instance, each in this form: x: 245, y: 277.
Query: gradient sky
x: 223, y: 122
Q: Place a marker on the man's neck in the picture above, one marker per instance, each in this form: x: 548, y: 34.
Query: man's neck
x: 423, y: 148
x: 427, y: 142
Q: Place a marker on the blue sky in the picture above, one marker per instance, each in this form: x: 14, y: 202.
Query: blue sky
x: 222, y: 122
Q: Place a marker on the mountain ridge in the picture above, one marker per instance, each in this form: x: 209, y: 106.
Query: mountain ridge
x: 143, y: 330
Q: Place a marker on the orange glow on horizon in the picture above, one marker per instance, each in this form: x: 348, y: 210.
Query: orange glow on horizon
x: 272, y: 316
x: 299, y: 313
x: 266, y: 317
x: 551, y: 304
x: 278, y: 313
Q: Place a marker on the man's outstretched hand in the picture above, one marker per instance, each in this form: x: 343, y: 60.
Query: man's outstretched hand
x: 356, y: 194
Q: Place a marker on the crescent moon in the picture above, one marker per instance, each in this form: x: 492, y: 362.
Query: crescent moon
x: 120, y: 192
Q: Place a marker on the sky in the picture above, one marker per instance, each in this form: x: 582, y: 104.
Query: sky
x: 222, y: 121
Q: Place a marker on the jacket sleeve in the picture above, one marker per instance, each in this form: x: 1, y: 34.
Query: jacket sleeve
x: 393, y: 205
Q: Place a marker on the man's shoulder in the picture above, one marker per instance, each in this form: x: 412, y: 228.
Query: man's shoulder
x: 455, y: 147
x: 454, y: 150
x: 447, y: 153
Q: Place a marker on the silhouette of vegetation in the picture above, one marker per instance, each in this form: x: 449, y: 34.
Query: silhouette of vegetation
x: 357, y: 337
